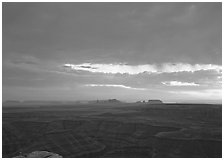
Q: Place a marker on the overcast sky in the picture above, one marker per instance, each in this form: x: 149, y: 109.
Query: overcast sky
x: 128, y: 51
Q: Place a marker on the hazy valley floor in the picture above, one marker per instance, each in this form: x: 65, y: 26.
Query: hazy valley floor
x: 114, y: 130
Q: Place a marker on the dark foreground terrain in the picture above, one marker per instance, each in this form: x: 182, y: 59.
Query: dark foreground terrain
x: 113, y: 130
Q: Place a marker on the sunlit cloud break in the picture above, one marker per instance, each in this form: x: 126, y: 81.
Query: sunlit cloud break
x: 113, y: 85
x: 177, y: 83
x: 145, y: 68
x: 205, y: 94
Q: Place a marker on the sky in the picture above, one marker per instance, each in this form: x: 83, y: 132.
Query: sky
x: 127, y: 51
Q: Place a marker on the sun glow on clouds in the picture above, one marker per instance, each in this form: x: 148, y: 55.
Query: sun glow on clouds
x: 177, y: 83
x: 206, y: 94
x: 146, y: 68
x: 113, y: 85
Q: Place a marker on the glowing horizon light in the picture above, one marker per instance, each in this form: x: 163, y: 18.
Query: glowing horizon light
x: 178, y: 83
x: 144, y: 68
x: 113, y: 85
x: 207, y: 93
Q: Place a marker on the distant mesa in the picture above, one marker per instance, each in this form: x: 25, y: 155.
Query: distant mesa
x: 108, y: 101
x: 39, y: 154
x: 152, y: 101
x: 114, y: 101
x: 12, y: 101
x: 155, y: 101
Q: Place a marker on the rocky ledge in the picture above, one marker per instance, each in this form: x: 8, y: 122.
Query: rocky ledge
x: 39, y: 154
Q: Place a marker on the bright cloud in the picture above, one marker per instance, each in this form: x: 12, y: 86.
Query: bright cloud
x: 113, y: 85
x: 146, y: 68
x: 177, y: 83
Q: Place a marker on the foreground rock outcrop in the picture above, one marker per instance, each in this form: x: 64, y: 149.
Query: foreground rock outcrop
x: 40, y: 154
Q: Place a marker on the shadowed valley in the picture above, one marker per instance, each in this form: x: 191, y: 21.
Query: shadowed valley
x: 113, y: 130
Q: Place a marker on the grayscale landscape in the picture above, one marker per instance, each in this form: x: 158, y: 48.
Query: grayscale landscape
x: 112, y: 80
x: 111, y: 130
